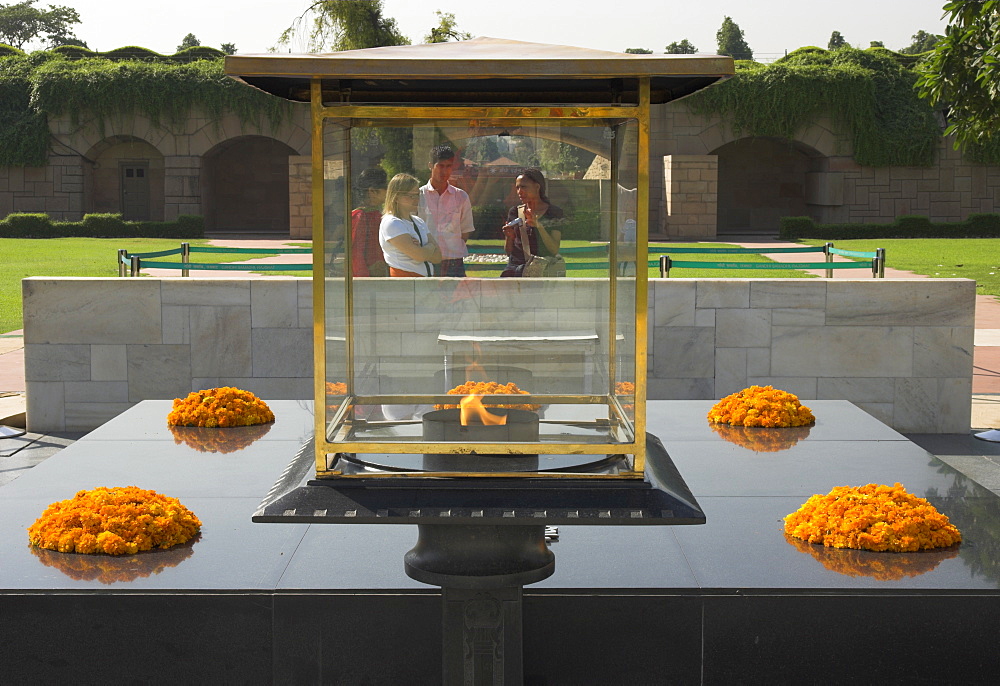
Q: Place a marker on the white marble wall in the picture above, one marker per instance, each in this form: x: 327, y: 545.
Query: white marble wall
x: 900, y: 349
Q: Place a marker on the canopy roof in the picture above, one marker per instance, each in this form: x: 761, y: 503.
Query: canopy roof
x: 480, y: 71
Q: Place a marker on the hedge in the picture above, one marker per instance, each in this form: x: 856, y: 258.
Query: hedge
x: 905, y: 226
x: 30, y: 225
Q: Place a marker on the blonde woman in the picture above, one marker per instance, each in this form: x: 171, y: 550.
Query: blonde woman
x: 408, y: 246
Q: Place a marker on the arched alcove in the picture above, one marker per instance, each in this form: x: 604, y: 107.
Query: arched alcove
x: 245, y: 186
x: 125, y: 176
x: 761, y: 180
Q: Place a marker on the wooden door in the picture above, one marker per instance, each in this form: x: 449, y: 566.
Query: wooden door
x: 135, y: 191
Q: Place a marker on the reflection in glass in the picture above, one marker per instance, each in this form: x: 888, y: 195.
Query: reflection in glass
x: 113, y: 569
x: 882, y: 566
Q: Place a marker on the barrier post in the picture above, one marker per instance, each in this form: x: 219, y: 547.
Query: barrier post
x: 185, y: 257
x: 122, y: 256
x: 880, y: 256
x: 135, y: 266
x: 829, y: 258
x: 664, y: 266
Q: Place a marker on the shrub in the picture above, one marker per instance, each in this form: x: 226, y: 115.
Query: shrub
x: 906, y: 226
x: 198, y: 52
x: 6, y: 50
x: 28, y: 225
x: 132, y: 52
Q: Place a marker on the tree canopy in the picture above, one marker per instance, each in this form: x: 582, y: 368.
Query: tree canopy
x: 446, y: 30
x: 837, y: 41
x: 685, y: 47
x: 963, y: 72
x: 189, y: 41
x: 345, y: 25
x: 921, y: 41
x: 731, y: 41
x: 638, y: 51
x: 22, y: 23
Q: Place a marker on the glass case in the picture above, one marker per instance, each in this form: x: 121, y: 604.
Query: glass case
x: 480, y: 222
x: 397, y: 350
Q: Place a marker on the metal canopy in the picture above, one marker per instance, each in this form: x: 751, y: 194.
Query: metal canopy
x: 480, y: 71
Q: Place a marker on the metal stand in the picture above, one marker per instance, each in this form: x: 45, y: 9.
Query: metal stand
x: 482, y: 571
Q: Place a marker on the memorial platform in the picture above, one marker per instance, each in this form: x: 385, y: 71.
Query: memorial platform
x: 730, y: 601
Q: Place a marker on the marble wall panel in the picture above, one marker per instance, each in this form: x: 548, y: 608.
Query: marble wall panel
x: 81, y: 310
x: 158, y: 372
x: 46, y: 406
x: 902, y: 302
x: 797, y: 317
x: 681, y: 389
x: 857, y: 389
x: 942, y: 351
x: 802, y: 386
x: 758, y: 361
x: 788, y: 293
x: 56, y: 362
x: 213, y: 292
x: 877, y: 351
x: 673, y: 304
x: 746, y: 328
x: 84, y: 416
x: 274, y: 303
x: 281, y: 353
x: 176, y: 321
x: 730, y: 370
x: 275, y: 388
x: 108, y: 363
x: 716, y: 293
x: 220, y: 341
x: 684, y: 352
x: 96, y: 391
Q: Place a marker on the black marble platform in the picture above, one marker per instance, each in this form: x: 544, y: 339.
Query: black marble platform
x: 730, y: 601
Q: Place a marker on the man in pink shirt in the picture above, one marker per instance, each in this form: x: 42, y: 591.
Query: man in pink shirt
x: 447, y: 211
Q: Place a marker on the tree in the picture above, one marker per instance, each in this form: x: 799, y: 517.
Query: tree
x: 876, y: 44
x: 189, y: 41
x: 345, y: 25
x: 731, y: 42
x: 21, y: 23
x: 638, y: 51
x: 963, y: 72
x: 685, y: 47
x: 445, y: 30
x: 228, y: 48
x: 837, y: 41
x: 57, y: 41
x: 921, y: 41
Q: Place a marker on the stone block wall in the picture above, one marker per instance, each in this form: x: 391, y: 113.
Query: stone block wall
x: 691, y: 183
x: 899, y: 349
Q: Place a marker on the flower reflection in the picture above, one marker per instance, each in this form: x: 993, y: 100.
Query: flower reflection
x: 881, y: 566
x: 761, y: 439
x: 219, y: 440
x: 113, y: 569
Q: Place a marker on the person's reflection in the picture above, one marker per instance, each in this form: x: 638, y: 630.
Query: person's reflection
x: 536, y: 218
x: 366, y: 253
x: 408, y: 246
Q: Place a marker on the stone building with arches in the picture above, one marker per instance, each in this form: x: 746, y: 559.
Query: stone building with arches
x: 705, y: 180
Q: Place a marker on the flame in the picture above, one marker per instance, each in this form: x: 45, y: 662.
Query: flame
x: 471, y: 407
x: 473, y: 370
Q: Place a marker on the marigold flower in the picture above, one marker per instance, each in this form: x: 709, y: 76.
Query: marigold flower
x: 761, y: 439
x: 115, y: 521
x: 204, y: 441
x: 489, y: 388
x: 761, y: 406
x: 220, y: 407
x: 872, y: 517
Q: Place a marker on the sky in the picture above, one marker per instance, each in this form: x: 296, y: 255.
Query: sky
x: 770, y: 27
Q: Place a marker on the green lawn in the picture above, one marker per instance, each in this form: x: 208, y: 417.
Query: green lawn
x: 23, y: 257
x: 944, y: 258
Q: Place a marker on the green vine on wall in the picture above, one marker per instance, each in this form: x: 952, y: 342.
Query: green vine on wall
x: 106, y: 91
x: 869, y: 93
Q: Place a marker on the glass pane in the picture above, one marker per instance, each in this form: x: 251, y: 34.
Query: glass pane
x: 481, y: 209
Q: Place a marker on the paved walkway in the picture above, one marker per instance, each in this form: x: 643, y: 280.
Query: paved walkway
x: 986, y: 358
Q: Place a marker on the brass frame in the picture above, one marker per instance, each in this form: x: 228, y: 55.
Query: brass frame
x: 500, y: 116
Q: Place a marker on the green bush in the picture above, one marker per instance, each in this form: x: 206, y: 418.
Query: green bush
x: 132, y: 52
x: 27, y: 225
x: 197, y: 52
x: 906, y: 226
x: 74, y: 52
x: 584, y: 225
x: 6, y: 50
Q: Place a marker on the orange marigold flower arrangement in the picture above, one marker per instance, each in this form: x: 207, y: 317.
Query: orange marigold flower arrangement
x: 112, y: 569
x: 872, y: 517
x: 761, y: 406
x: 220, y: 407
x: 760, y: 439
x: 489, y: 388
x: 117, y: 521
x: 879, y: 567
x: 209, y: 441
x: 336, y: 388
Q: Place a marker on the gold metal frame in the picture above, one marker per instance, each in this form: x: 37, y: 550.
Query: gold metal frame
x: 499, y: 116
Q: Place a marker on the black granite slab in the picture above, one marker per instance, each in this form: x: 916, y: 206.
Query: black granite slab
x: 729, y: 601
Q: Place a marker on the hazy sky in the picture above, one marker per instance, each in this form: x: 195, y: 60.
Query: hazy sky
x: 770, y: 26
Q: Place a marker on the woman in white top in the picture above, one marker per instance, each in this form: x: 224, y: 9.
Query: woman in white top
x: 406, y: 243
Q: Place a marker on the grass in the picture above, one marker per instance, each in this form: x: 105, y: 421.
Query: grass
x: 23, y: 257
x: 943, y: 258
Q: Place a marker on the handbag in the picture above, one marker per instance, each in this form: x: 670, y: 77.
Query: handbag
x: 536, y: 266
